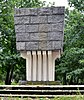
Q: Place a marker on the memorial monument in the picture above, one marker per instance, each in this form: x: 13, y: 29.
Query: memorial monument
x: 39, y: 39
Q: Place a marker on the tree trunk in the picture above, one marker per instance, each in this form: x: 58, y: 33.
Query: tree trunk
x: 7, y: 76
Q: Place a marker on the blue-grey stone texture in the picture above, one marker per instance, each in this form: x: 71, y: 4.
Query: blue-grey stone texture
x: 39, y: 28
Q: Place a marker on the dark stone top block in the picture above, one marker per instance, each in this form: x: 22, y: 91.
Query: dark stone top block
x: 39, y: 28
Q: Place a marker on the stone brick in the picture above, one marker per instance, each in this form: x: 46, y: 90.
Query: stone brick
x: 31, y: 45
x: 38, y: 19
x: 22, y: 37
x: 49, y: 45
x: 44, y: 27
x: 19, y: 28
x: 57, y: 45
x: 58, y: 10
x: 34, y: 36
x: 45, y: 11
x: 55, y: 36
x: 42, y: 36
x: 20, y: 11
x: 20, y: 46
x: 22, y: 20
x: 57, y: 27
x: 31, y: 28
x: 43, y: 45
x: 31, y: 11
x: 55, y: 18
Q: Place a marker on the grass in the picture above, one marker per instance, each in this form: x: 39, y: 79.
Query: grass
x: 79, y: 97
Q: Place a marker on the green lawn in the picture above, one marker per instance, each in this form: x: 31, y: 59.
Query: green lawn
x: 57, y: 98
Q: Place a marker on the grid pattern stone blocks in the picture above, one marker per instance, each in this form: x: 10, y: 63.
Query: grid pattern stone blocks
x: 39, y: 28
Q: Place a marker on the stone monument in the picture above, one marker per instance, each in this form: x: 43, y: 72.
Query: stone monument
x: 39, y: 38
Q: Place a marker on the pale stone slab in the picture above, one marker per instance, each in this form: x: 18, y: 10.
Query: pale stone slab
x: 25, y: 11
x: 31, y: 45
x: 23, y: 37
x: 20, y: 45
x: 58, y: 10
x: 38, y: 19
x: 50, y: 66
x: 44, y: 27
x: 34, y: 36
x: 20, y: 11
x: 57, y: 27
x: 44, y: 66
x: 54, y: 36
x: 34, y: 65
x: 43, y: 45
x: 29, y: 66
x: 49, y: 45
x: 19, y: 28
x: 42, y: 36
x: 31, y: 11
x: 39, y: 78
x: 21, y: 20
x: 38, y: 36
x: 55, y: 18
x: 56, y: 45
x: 45, y: 11
x: 31, y: 28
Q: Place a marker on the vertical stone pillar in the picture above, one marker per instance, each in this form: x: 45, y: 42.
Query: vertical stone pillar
x: 39, y: 66
x: 50, y: 66
x: 44, y: 66
x: 56, y: 54
x: 34, y: 65
x: 28, y: 66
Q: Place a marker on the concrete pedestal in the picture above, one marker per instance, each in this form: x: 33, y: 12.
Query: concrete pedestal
x: 40, y: 65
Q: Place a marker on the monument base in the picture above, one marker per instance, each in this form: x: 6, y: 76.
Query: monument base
x: 40, y: 65
x: 40, y: 83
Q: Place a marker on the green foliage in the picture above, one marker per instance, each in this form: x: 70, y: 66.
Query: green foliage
x: 9, y: 57
x: 70, y: 68
x: 78, y: 4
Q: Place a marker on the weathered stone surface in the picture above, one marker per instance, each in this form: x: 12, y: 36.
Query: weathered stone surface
x: 38, y: 19
x: 57, y: 27
x: 49, y: 45
x: 19, y: 28
x: 55, y: 36
x: 55, y: 18
x: 33, y: 11
x: 34, y: 36
x: 20, y: 45
x: 22, y: 20
x: 39, y: 28
x: 31, y: 28
x: 56, y: 45
x: 43, y: 45
x: 20, y: 11
x: 25, y: 11
x: 31, y: 45
x: 44, y: 27
x: 58, y: 10
x: 22, y: 37
x: 42, y: 36
x: 45, y: 11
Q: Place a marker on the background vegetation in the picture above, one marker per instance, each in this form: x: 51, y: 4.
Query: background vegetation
x: 69, y: 68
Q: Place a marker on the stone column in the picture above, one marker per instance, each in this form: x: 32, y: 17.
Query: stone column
x: 28, y: 66
x: 50, y: 66
x: 39, y: 65
x: 44, y: 66
x: 34, y: 65
x: 56, y: 54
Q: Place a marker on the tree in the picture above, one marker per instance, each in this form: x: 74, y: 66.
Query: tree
x: 71, y: 64
x: 9, y: 57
